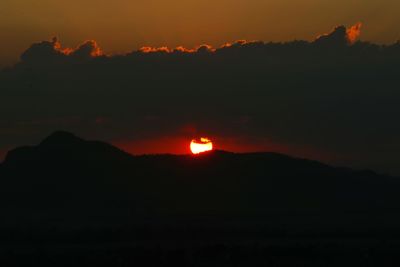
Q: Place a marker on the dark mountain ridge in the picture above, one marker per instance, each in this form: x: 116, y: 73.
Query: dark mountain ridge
x: 67, y: 181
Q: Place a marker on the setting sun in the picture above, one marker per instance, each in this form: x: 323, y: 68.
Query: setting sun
x: 202, y: 145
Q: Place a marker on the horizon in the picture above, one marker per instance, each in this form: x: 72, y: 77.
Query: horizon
x: 196, y: 155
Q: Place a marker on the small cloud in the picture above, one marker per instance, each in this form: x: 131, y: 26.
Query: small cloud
x: 44, y: 52
x: 179, y: 49
x: 340, y: 36
x: 88, y: 49
x: 53, y: 52
x: 205, y: 48
x: 239, y: 43
x: 149, y: 49
x: 354, y: 32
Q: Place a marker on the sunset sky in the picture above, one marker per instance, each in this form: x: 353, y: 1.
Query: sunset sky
x: 315, y: 78
x: 120, y: 26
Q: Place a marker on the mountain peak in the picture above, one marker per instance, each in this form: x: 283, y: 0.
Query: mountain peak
x: 61, y: 138
x: 65, y: 148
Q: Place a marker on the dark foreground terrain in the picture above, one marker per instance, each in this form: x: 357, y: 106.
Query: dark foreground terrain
x: 71, y: 202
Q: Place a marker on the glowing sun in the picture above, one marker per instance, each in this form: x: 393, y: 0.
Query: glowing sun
x: 202, y: 145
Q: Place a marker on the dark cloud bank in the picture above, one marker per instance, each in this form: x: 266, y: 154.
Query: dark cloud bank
x: 335, y: 96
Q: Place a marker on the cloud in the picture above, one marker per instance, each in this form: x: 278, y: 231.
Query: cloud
x: 48, y: 52
x: 180, y: 49
x: 89, y: 49
x: 52, y: 52
x: 340, y: 36
x: 240, y: 43
x: 331, y: 95
x: 149, y: 49
x: 353, y: 33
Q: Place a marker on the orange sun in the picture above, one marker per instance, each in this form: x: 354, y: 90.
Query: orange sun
x: 203, y: 145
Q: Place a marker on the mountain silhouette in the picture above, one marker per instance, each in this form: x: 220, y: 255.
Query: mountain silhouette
x: 66, y: 181
x: 72, y: 202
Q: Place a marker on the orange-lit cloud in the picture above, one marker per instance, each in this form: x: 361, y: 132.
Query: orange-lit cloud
x: 205, y: 48
x: 179, y: 49
x: 58, y: 47
x: 340, y: 36
x: 239, y: 43
x: 200, y: 48
x: 182, y: 49
x: 354, y: 32
x: 89, y: 47
x: 149, y: 49
x: 53, y: 50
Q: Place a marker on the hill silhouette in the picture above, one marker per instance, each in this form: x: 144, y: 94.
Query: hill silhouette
x: 66, y: 179
x: 67, y: 190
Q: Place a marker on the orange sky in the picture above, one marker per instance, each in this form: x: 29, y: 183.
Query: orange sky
x: 122, y: 25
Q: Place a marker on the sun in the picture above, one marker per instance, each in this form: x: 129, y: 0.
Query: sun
x: 200, y: 146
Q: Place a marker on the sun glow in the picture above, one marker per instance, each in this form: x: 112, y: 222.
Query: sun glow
x: 200, y: 146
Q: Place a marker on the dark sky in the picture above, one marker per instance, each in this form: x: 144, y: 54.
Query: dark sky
x: 331, y: 99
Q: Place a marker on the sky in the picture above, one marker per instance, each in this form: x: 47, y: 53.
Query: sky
x: 321, y: 82
x: 123, y: 25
